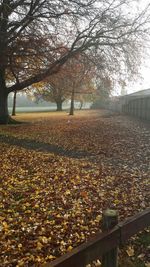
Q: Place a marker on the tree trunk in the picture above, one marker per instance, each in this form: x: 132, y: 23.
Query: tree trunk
x: 59, y: 105
x: 4, y: 114
x: 14, y: 104
x: 81, y: 104
x: 72, y: 103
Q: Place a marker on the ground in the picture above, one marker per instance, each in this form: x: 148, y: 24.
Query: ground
x: 58, y: 174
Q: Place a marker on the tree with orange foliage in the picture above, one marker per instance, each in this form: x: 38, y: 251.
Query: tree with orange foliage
x: 76, y: 77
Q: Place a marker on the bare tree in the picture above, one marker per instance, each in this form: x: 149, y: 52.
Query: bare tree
x: 38, y: 36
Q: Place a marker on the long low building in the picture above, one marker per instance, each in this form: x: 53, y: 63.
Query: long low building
x: 135, y: 104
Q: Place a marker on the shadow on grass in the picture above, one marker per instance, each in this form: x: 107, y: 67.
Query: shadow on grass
x: 42, y: 147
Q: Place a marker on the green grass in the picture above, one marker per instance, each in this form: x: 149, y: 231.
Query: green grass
x: 144, y: 239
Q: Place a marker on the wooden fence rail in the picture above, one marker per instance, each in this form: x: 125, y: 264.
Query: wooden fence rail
x: 103, y: 242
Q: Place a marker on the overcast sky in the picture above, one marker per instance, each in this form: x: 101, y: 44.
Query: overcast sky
x: 141, y: 83
x: 144, y: 82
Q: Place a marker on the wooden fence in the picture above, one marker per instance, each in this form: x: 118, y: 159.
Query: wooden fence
x: 138, y: 107
x: 103, y: 242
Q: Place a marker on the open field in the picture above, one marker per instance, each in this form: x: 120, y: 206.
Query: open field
x: 58, y: 173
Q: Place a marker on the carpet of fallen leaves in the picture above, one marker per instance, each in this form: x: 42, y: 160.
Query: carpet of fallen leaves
x: 58, y: 174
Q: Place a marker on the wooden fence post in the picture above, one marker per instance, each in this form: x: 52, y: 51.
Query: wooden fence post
x: 110, y: 219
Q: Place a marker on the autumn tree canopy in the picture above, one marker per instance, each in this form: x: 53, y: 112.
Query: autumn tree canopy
x: 37, y: 37
x: 76, y: 77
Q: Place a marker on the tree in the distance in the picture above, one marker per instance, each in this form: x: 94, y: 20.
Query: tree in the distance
x: 88, y: 97
x: 81, y: 80
x: 104, y: 87
x: 50, y: 92
x: 37, y: 37
x: 73, y: 80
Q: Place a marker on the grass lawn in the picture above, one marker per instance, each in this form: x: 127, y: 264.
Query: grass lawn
x: 58, y: 174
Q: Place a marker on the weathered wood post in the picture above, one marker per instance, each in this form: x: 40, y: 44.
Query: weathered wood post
x: 110, y: 219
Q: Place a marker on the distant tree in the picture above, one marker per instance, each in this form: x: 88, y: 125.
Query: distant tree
x: 104, y: 87
x: 88, y: 97
x: 123, y: 84
x: 73, y: 80
x: 82, y: 85
x: 37, y: 37
x: 53, y: 89
x: 48, y: 92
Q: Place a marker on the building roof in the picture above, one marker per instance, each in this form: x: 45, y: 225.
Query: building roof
x: 138, y: 94
x: 141, y: 93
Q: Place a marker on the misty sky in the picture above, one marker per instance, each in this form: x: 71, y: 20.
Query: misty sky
x: 144, y: 81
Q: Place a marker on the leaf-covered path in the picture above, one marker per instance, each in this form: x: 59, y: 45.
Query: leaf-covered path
x: 52, y: 200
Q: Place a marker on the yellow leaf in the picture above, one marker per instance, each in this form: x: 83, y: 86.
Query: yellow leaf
x: 5, y: 226
x: 67, y: 192
x: 38, y: 259
x: 50, y: 257
x: 20, y: 245
x: 39, y: 245
x: 130, y: 251
x: 116, y: 201
x: 20, y: 263
x: 69, y: 248
x: 98, y: 218
x: 44, y: 239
